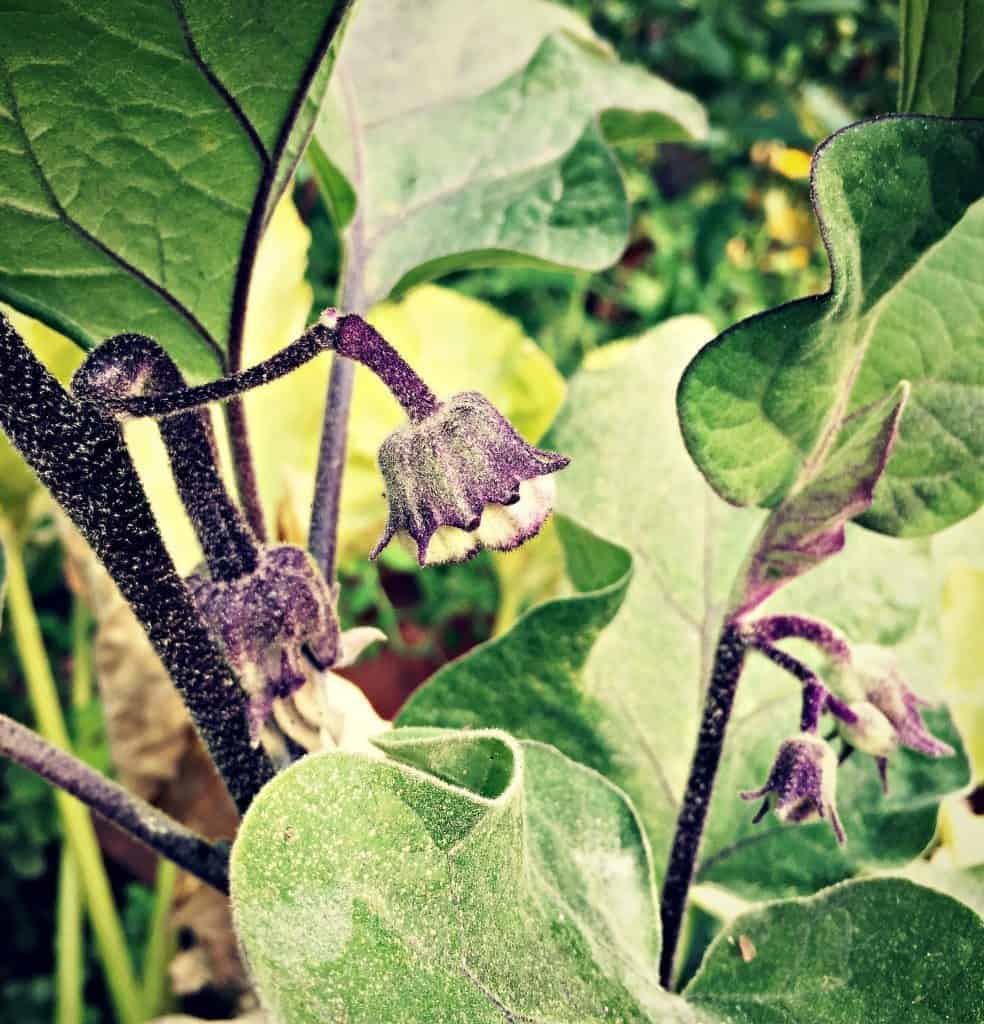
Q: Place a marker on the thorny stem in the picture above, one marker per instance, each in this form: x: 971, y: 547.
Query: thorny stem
x: 729, y: 660
x: 131, y: 364
x: 82, y: 459
x: 126, y: 811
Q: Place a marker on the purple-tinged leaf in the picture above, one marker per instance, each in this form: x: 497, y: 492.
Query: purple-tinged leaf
x: 808, y: 527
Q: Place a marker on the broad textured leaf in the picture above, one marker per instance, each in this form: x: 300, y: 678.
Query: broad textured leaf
x: 143, y: 148
x: 880, y: 951
x: 455, y: 343
x: 477, y: 133
x: 530, y: 680
x: 468, y: 878
x: 279, y: 308
x: 632, y: 709
x: 942, y: 58
x: 900, y: 199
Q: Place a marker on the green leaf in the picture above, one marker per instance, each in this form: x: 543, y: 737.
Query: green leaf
x: 809, y: 526
x: 942, y: 58
x: 530, y: 680
x: 631, y: 709
x: 477, y: 134
x: 143, y: 148
x: 884, y: 950
x: 468, y: 878
x: 762, y: 407
x: 456, y: 344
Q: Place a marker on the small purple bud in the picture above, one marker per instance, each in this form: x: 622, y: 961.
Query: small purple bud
x: 461, y: 478
x: 874, y: 672
x: 268, y: 621
x: 803, y: 780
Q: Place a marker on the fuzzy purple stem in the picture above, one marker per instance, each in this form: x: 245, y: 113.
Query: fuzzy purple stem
x: 133, y: 364
x: 773, y: 628
x: 729, y: 660
x: 80, y: 456
x: 127, y: 812
x: 811, y: 682
x: 323, y: 531
x: 814, y: 698
x: 316, y: 339
x: 355, y: 340
x: 359, y: 341
x: 244, y: 467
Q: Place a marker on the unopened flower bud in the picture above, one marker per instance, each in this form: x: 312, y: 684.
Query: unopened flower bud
x: 803, y: 781
x: 870, y: 732
x: 876, y: 673
x: 461, y: 478
x: 268, y: 621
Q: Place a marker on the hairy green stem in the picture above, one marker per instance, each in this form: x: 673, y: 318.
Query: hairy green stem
x: 69, y: 968
x: 159, y: 946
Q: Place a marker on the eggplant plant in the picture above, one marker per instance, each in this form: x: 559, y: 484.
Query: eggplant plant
x: 753, y: 524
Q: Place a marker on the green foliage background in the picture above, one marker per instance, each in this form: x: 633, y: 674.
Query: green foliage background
x: 717, y: 230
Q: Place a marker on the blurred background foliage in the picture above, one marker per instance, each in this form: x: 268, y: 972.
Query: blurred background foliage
x: 723, y: 229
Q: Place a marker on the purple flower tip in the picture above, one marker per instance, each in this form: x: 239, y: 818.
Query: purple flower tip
x: 803, y: 783
x: 461, y: 479
x: 268, y: 622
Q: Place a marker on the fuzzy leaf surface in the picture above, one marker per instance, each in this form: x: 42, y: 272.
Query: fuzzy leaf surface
x: 901, y: 201
x: 630, y: 707
x: 462, y: 134
x: 468, y: 877
x: 143, y: 148
x: 942, y: 58
x: 881, y: 950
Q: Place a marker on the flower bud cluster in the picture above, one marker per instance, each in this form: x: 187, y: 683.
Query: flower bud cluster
x: 876, y: 713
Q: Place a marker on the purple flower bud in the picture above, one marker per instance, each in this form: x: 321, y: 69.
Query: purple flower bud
x: 875, y: 673
x: 803, y: 780
x: 461, y: 478
x: 268, y: 621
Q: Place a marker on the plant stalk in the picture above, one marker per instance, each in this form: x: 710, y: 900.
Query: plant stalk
x: 729, y: 661
x: 323, y: 531
x: 77, y: 827
x: 158, y: 948
x: 69, y: 972
x: 80, y: 456
x: 244, y: 468
x: 127, y: 812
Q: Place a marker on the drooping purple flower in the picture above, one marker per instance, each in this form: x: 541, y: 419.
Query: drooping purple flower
x: 875, y: 672
x: 268, y: 621
x: 461, y: 478
x: 803, y: 783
